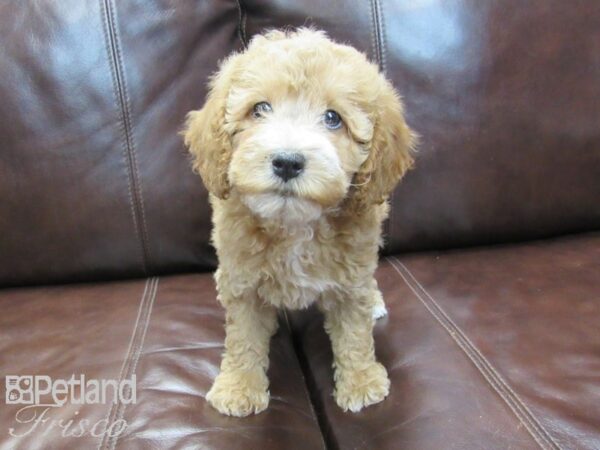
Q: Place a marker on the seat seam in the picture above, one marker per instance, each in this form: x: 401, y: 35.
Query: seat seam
x: 132, y: 356
x: 541, y: 436
x: 126, y: 359
x: 122, y: 102
x: 137, y: 355
x: 298, y: 354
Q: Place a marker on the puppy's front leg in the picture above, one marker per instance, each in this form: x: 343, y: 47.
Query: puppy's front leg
x: 241, y: 387
x: 360, y: 380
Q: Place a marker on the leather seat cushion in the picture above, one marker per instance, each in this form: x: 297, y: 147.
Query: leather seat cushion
x: 486, y: 348
x: 169, y: 333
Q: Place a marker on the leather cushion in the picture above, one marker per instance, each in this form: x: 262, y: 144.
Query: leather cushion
x: 169, y: 333
x: 491, y: 347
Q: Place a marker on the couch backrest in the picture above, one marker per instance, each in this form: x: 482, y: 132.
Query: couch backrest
x: 94, y: 179
x: 506, y: 97
x: 95, y: 182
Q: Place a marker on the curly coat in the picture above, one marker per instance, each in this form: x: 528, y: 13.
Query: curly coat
x: 313, y: 239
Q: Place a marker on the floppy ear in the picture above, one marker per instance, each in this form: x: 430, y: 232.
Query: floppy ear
x: 205, y: 135
x: 389, y: 154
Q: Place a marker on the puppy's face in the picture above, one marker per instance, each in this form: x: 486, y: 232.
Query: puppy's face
x: 296, y: 124
x: 292, y: 145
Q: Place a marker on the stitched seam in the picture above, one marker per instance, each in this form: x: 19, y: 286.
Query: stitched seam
x: 496, y: 381
x: 137, y: 355
x: 242, y: 24
x: 111, y: 410
x: 122, y: 102
x: 108, y: 45
x: 378, y: 11
x: 378, y: 51
x: 130, y: 364
x: 383, y: 64
x: 375, y: 33
x: 131, y: 143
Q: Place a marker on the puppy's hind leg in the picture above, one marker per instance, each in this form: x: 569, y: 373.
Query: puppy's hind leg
x: 242, y: 386
x: 379, y: 309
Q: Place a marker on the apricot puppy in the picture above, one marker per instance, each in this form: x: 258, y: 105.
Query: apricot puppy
x: 299, y: 143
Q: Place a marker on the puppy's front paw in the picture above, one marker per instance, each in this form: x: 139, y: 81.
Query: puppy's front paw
x: 239, y: 393
x: 356, y: 389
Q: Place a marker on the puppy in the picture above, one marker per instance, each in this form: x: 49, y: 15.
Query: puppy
x: 299, y: 143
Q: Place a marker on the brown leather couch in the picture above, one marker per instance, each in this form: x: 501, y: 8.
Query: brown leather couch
x: 491, y: 269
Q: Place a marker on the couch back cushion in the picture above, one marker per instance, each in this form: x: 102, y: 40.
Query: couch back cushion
x: 95, y: 182
x: 506, y: 97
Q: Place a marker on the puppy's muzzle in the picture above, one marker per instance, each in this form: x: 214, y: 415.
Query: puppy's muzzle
x: 288, y: 165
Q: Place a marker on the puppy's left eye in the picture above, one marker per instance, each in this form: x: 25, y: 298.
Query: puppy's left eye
x: 332, y: 119
x: 260, y: 109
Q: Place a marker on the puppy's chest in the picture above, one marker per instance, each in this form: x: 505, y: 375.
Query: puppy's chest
x: 294, y: 272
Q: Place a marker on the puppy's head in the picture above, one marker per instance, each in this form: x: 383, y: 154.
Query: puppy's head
x: 298, y: 124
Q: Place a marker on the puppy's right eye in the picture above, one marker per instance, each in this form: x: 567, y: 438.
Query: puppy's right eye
x: 261, y: 109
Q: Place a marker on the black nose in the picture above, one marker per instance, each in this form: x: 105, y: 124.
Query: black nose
x: 288, y: 165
